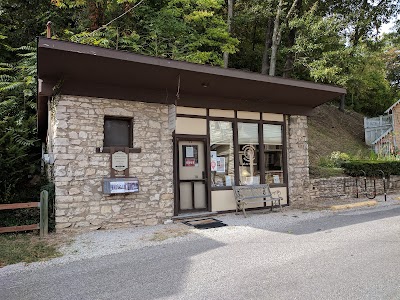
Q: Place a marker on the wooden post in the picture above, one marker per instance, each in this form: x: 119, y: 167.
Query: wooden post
x: 48, y: 30
x: 44, y: 213
x: 342, y: 103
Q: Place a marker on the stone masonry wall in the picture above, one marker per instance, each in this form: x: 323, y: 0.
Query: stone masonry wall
x: 298, y: 163
x: 322, y: 189
x: 76, y: 130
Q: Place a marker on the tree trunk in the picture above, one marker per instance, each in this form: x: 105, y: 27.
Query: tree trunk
x: 276, y: 36
x: 230, y: 15
x: 254, y: 35
x: 342, y: 103
x: 96, y: 14
x: 289, y: 63
x: 268, y: 43
x: 288, y: 68
x: 358, y: 31
x: 275, y: 40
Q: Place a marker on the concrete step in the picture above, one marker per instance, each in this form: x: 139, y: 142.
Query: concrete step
x: 196, y: 215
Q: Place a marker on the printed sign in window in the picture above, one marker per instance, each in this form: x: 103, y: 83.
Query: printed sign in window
x: 221, y: 164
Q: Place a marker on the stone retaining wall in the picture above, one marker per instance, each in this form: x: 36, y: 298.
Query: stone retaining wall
x: 346, y: 187
x: 77, y: 128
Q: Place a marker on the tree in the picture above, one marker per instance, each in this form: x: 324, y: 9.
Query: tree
x: 277, y: 32
x: 392, y: 60
x: 364, y: 18
x: 22, y: 21
x: 187, y: 30
x: 230, y: 16
x: 19, y: 147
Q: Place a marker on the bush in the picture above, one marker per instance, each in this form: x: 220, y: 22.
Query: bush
x: 325, y: 172
x: 335, y: 160
x: 371, y: 167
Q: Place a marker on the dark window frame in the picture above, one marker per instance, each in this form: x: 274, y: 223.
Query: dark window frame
x: 130, y: 131
x: 261, y: 155
x: 231, y: 120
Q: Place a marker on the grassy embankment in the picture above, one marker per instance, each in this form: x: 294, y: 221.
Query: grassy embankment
x: 331, y: 130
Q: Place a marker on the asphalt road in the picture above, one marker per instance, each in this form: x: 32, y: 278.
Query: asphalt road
x: 349, y: 255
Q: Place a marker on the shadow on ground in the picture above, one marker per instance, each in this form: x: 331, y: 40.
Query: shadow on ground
x: 291, y: 222
x: 145, y: 273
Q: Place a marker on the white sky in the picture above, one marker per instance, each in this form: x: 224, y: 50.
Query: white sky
x: 386, y: 27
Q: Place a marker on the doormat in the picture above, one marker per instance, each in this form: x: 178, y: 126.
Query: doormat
x: 205, y: 223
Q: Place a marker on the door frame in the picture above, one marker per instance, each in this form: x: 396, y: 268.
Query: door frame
x: 187, y: 137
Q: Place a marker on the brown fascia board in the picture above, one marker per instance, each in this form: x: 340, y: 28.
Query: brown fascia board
x: 181, y: 65
x: 256, y: 93
x: 190, y: 100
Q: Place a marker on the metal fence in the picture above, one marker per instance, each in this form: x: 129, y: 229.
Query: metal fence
x: 376, y: 127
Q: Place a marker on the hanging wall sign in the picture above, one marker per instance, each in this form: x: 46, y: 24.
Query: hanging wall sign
x: 119, y: 161
x: 120, y: 185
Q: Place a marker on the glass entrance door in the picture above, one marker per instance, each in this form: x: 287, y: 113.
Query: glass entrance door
x: 192, y: 176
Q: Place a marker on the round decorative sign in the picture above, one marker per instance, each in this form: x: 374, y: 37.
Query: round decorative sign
x: 119, y: 161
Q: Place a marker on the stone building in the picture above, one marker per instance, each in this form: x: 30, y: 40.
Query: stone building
x: 137, y: 140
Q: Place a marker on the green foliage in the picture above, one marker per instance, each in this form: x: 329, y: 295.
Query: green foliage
x: 335, y: 160
x: 332, y: 42
x: 325, y: 172
x: 368, y: 88
x: 186, y: 30
x: 371, y: 167
x: 22, y: 21
x: 19, y: 147
x: 392, y: 61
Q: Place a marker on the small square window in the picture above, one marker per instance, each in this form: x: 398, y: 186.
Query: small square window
x: 118, y: 132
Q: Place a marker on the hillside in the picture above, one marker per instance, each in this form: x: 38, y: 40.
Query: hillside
x: 332, y: 130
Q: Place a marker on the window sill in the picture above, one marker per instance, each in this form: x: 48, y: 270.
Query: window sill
x: 108, y: 150
x: 227, y: 188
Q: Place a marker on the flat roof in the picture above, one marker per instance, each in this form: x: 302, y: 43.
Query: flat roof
x: 84, y: 70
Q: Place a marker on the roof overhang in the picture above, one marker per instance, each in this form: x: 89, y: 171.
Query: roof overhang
x: 84, y: 70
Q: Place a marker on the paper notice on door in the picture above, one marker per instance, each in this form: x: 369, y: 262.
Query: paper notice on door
x: 276, y: 178
x: 189, y: 152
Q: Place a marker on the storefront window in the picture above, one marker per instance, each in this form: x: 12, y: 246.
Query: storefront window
x: 222, y: 154
x: 273, y: 153
x: 249, y: 170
